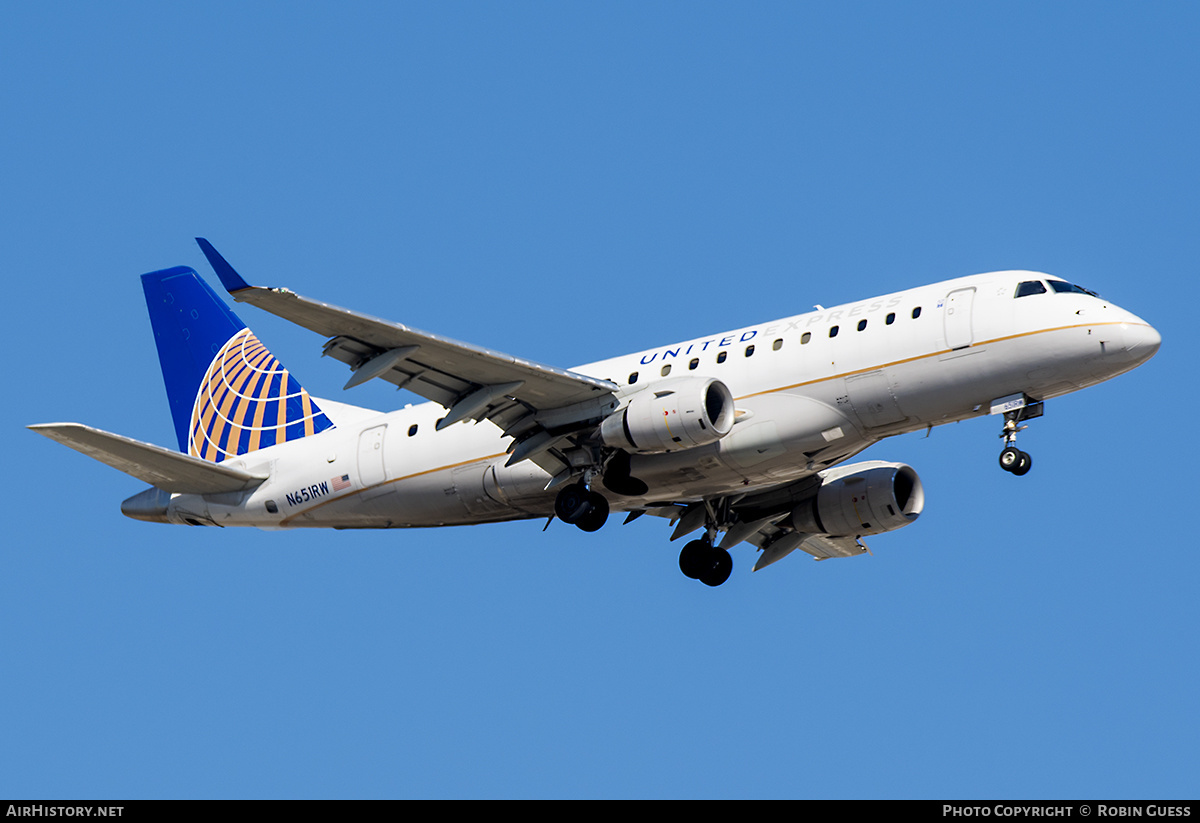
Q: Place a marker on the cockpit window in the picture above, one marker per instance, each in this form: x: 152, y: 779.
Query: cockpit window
x: 1030, y: 287
x: 1063, y: 287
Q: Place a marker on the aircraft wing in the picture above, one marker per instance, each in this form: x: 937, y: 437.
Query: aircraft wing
x: 168, y: 470
x: 527, y: 400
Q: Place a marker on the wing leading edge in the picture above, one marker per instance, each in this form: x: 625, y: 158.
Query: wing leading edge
x: 534, y: 403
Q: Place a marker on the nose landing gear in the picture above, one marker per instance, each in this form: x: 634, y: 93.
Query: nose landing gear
x: 1012, y: 459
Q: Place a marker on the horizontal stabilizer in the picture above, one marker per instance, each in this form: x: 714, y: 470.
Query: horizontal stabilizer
x: 168, y: 470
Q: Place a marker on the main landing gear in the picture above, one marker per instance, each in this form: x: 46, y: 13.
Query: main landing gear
x: 702, y: 561
x: 579, y: 506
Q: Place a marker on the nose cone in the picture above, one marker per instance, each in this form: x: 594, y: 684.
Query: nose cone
x: 1141, y: 340
x: 150, y: 505
x: 1125, y: 342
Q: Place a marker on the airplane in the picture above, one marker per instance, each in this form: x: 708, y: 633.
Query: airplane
x: 741, y: 435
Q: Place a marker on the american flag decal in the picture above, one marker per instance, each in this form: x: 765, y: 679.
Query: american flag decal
x: 340, y: 483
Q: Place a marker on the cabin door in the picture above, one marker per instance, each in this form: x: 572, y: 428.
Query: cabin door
x: 370, y: 456
x: 957, y: 318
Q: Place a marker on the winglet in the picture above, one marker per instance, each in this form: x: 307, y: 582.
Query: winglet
x: 230, y: 279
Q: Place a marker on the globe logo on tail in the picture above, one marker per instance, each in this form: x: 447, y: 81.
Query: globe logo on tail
x: 248, y: 401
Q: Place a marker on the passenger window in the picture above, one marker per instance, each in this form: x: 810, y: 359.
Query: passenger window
x: 916, y: 312
x: 862, y: 324
x: 749, y: 350
x: 778, y: 344
x: 721, y: 356
x: 804, y: 338
x: 1030, y: 287
x: 695, y: 362
x: 412, y: 429
x: 633, y: 378
x: 891, y: 318
x: 833, y: 330
x: 666, y: 370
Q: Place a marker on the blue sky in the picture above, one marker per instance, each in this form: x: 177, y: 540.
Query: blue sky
x: 568, y: 182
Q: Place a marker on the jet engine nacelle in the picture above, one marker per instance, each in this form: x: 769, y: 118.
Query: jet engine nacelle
x: 671, y: 415
x: 862, y: 498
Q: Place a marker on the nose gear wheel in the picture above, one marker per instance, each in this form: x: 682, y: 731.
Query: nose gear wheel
x: 1015, y: 461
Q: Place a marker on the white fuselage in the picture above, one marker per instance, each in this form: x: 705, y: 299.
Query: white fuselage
x: 810, y: 390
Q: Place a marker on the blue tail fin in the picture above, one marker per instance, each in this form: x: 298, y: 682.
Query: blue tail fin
x: 228, y: 394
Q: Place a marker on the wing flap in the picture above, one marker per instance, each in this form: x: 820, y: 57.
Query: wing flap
x: 776, y: 543
x: 824, y: 548
x: 169, y: 470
